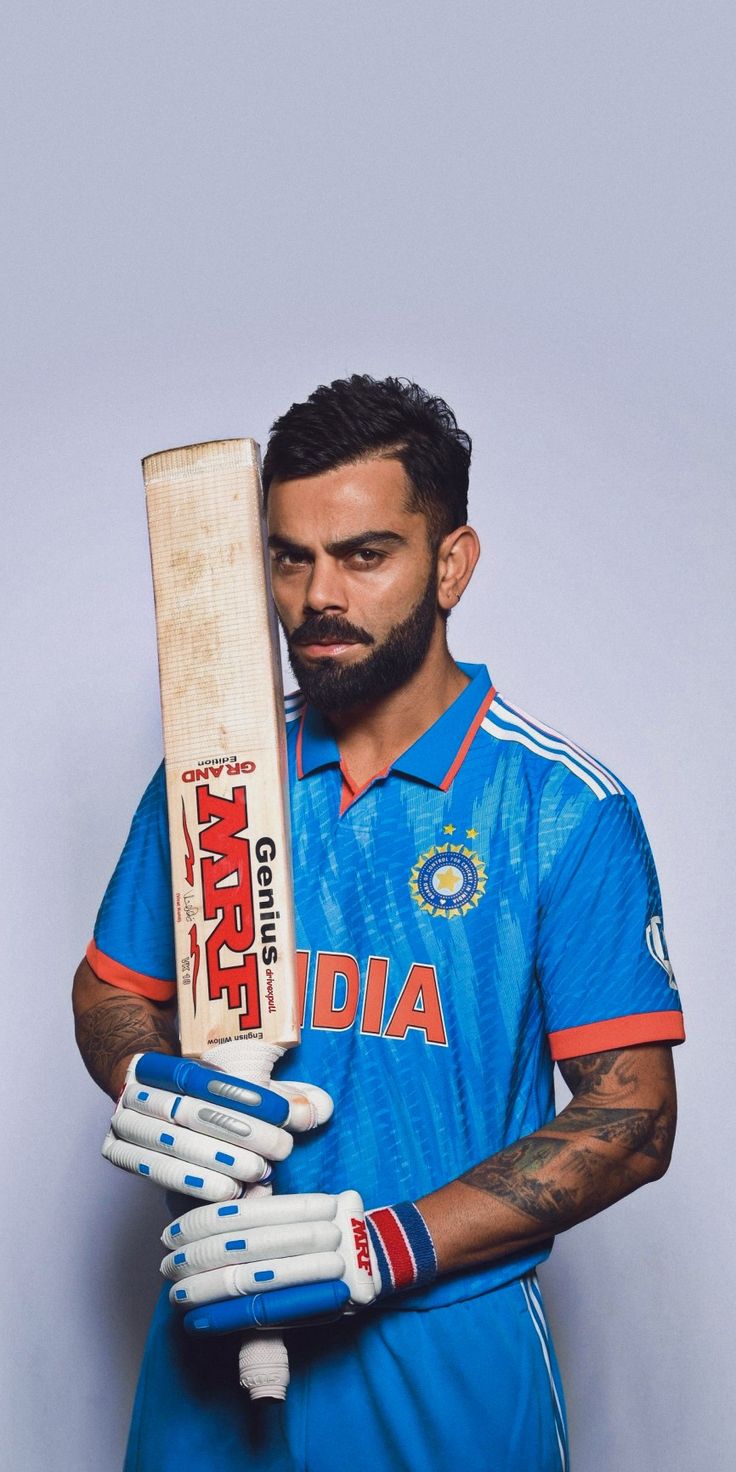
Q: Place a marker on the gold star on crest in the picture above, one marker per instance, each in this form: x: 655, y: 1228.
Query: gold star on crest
x: 449, y: 828
x: 447, y: 880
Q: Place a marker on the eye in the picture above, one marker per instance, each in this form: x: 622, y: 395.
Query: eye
x: 367, y: 557
x: 287, y: 559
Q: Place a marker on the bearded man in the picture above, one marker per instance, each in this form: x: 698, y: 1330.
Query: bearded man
x: 476, y: 901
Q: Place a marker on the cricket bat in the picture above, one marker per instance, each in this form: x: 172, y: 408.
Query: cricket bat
x: 226, y: 777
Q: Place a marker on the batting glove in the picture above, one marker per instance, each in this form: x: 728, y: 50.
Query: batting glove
x: 203, y: 1132
x: 278, y: 1261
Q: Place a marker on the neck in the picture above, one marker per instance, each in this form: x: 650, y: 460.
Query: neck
x: 371, y: 737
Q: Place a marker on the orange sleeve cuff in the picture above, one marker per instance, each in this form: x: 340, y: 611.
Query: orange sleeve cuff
x: 617, y: 1032
x: 127, y: 979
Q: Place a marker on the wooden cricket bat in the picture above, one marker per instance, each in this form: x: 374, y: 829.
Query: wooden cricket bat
x: 226, y: 776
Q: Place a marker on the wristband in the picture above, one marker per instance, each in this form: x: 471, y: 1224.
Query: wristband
x: 403, y: 1247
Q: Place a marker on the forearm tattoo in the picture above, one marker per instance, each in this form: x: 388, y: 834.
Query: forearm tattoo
x: 593, y: 1153
x: 116, y: 1028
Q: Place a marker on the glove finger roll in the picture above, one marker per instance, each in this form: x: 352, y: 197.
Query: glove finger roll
x: 183, y: 1144
x: 261, y: 1211
x: 309, y: 1106
x: 257, y: 1135
x: 226, y: 1249
x: 173, y: 1175
x: 257, y: 1277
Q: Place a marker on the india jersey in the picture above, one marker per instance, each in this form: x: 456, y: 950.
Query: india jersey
x: 486, y: 905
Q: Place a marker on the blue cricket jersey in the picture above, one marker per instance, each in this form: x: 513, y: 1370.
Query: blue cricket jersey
x: 485, y: 906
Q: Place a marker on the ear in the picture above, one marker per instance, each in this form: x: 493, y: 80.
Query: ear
x: 457, y: 555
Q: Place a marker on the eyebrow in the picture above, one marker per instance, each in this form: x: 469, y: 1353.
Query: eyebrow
x: 342, y: 548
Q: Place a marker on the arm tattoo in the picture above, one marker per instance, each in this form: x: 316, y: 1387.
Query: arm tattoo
x: 545, y: 1201
x: 632, y: 1128
x: 118, y: 1027
x: 599, y: 1073
x: 557, y: 1178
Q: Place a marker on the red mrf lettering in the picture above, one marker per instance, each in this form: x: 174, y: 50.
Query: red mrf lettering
x: 360, y: 1238
x: 228, y: 899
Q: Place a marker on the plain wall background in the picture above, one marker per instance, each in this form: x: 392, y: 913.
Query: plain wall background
x: 208, y: 209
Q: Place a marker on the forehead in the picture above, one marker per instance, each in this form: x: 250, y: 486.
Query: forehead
x: 342, y: 502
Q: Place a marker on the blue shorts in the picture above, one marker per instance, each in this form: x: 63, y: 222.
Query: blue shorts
x: 471, y: 1384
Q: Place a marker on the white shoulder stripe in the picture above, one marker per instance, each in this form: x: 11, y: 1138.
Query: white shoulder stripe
x: 530, y: 723
x: 293, y: 706
x: 508, y: 733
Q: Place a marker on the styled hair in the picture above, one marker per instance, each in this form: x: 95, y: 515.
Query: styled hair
x: 359, y: 418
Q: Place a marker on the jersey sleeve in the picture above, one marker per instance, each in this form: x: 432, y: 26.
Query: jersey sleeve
x: 605, y: 975
x: 133, y: 944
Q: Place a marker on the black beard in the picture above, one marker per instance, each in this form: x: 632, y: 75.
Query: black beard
x: 332, y: 686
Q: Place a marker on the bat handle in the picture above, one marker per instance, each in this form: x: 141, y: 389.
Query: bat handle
x: 264, y: 1362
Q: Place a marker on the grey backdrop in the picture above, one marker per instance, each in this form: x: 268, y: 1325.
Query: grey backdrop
x: 209, y: 209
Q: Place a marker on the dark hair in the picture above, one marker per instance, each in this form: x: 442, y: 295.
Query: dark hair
x: 360, y: 417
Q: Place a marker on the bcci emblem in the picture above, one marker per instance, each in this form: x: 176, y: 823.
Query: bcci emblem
x: 448, y: 880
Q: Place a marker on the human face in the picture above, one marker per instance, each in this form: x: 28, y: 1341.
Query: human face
x: 354, y: 582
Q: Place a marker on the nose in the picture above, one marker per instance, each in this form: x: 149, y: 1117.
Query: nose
x: 324, y: 590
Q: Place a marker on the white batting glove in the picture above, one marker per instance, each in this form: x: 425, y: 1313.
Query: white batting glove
x: 314, y: 1255
x: 201, y: 1138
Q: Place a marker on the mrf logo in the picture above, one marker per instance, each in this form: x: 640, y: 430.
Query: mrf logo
x: 360, y: 1238
x: 227, y: 904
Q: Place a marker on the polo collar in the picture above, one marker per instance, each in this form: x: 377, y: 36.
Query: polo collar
x: 435, y: 757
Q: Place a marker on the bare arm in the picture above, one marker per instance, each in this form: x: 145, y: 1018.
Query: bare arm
x: 111, y: 1025
x: 614, y: 1136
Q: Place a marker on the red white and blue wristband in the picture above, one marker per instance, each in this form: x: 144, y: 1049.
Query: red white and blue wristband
x: 403, y: 1247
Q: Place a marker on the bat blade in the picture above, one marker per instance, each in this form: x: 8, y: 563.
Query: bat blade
x: 224, y: 746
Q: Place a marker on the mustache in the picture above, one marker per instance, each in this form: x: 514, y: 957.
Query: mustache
x: 329, y: 630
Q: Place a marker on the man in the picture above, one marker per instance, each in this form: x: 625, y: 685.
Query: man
x: 475, y: 899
